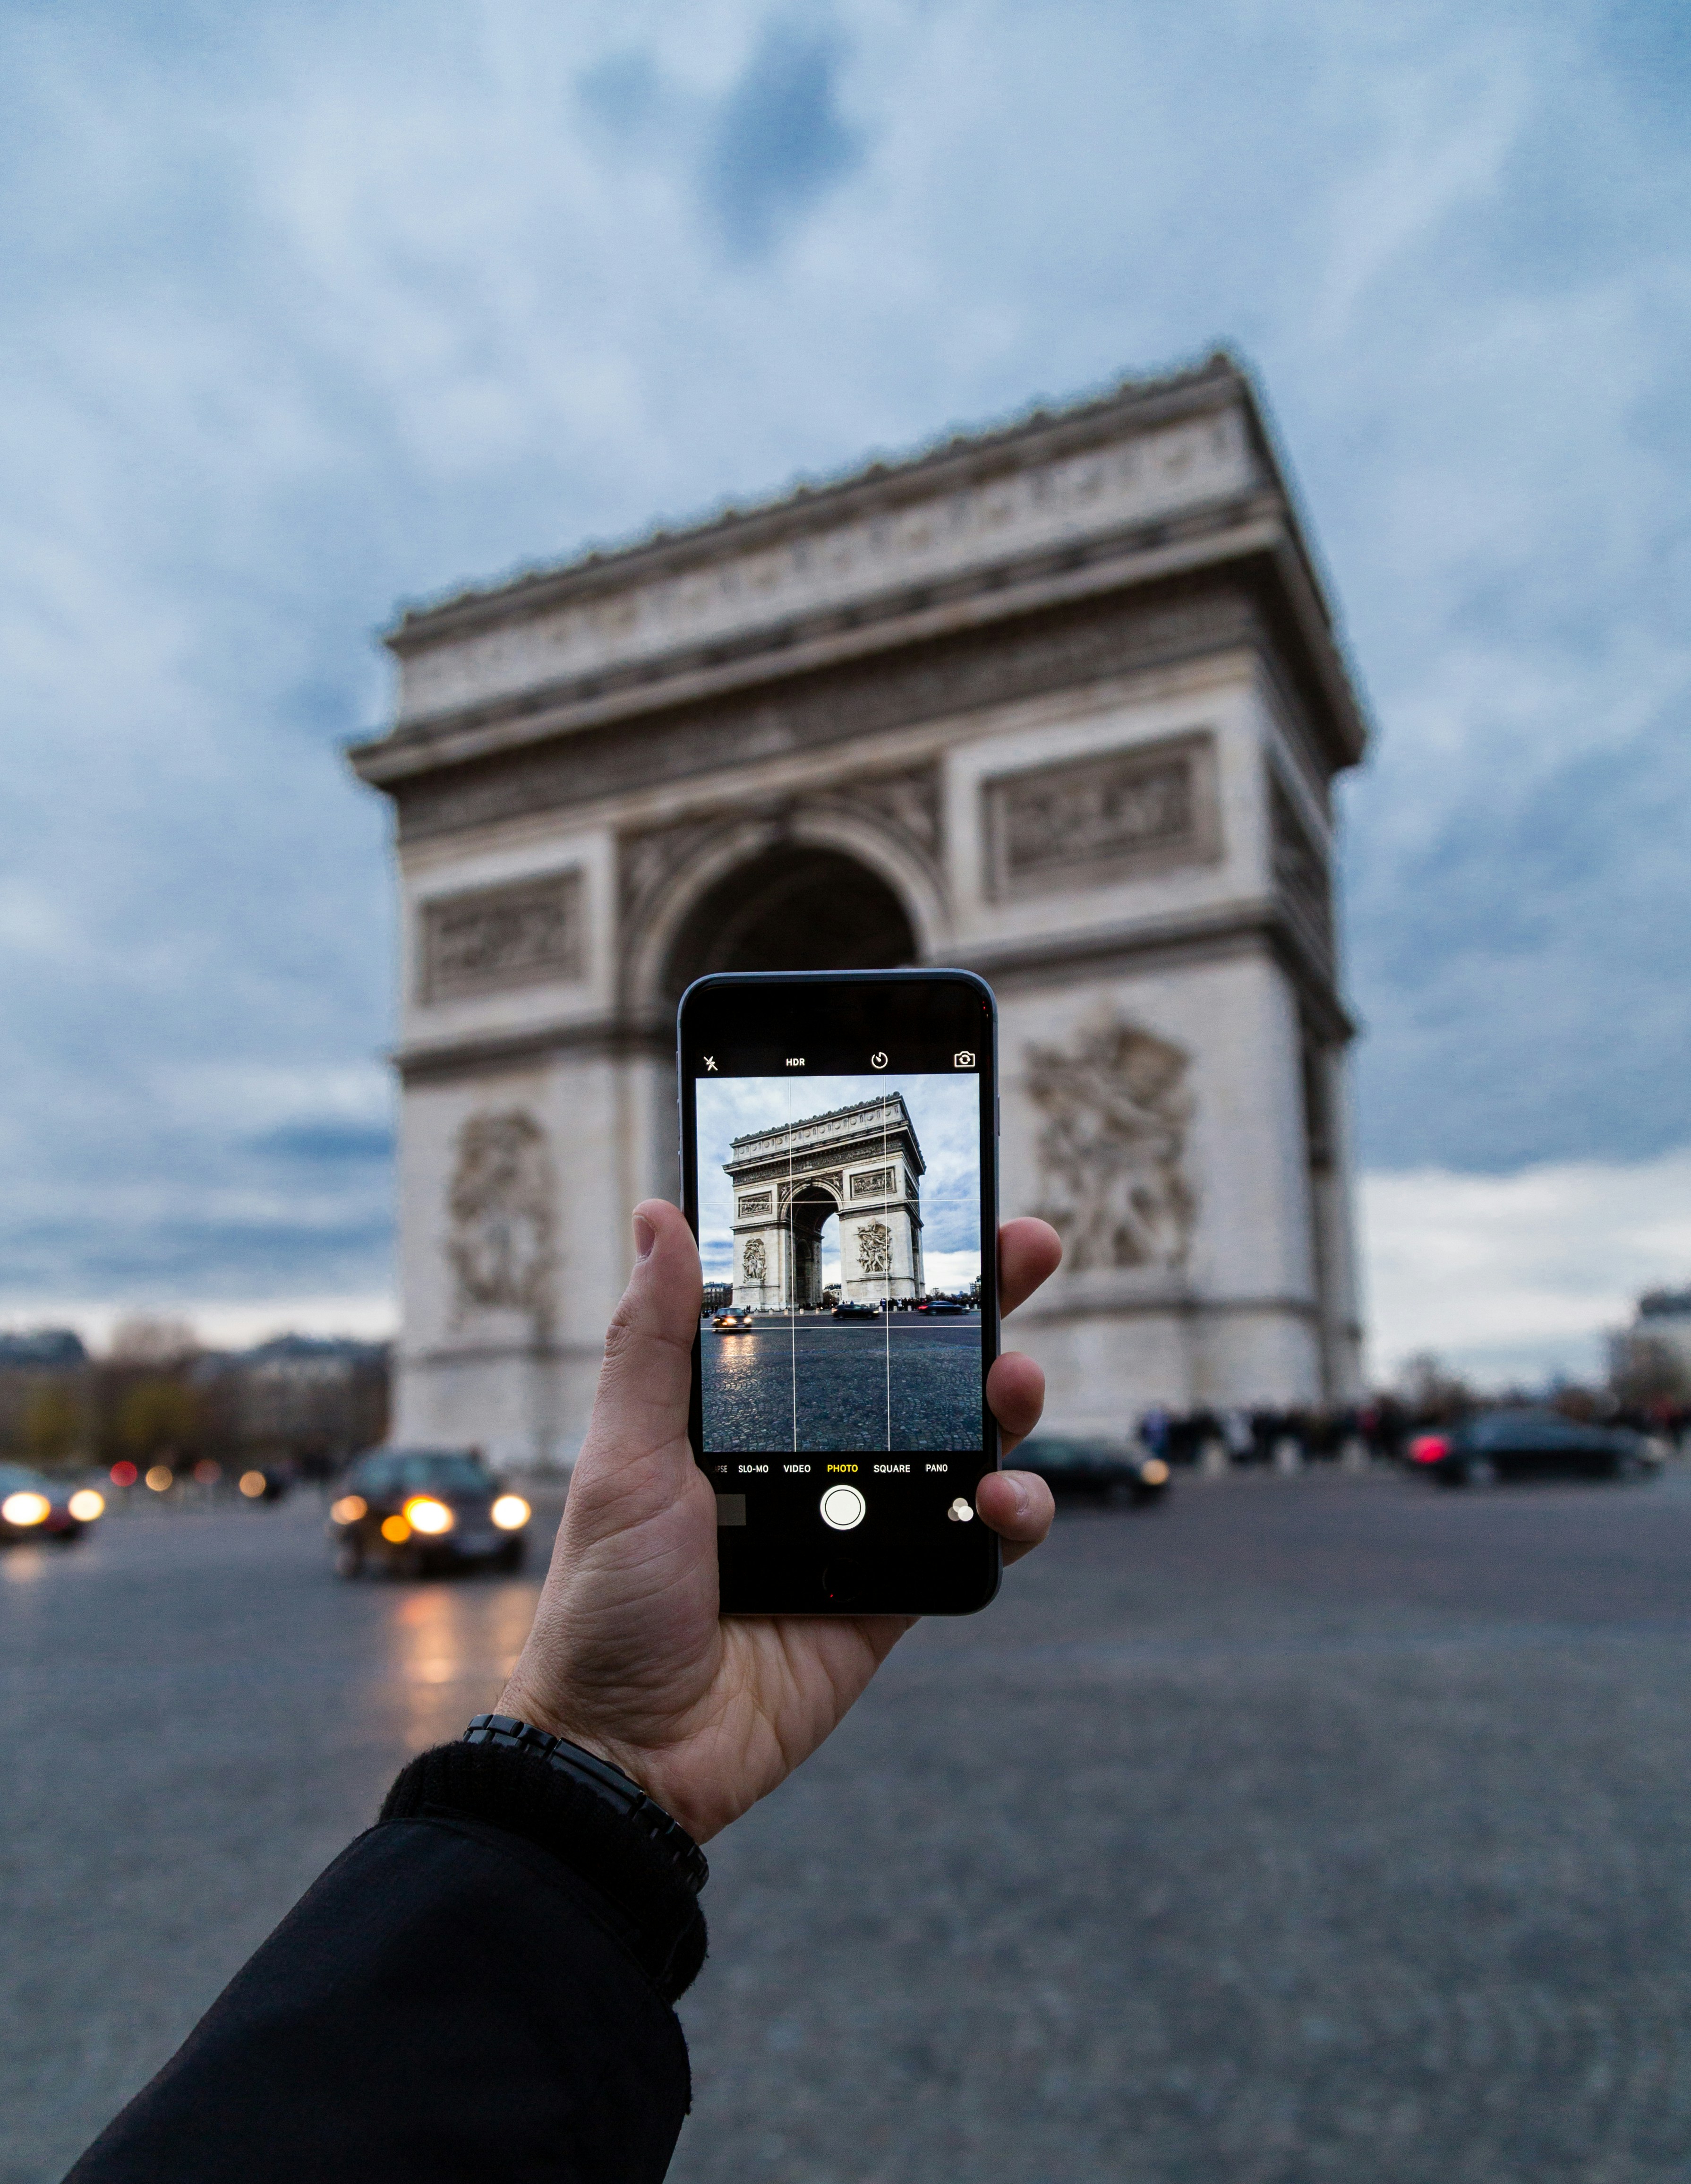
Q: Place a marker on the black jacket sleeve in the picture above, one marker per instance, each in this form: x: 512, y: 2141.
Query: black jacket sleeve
x: 479, y: 1989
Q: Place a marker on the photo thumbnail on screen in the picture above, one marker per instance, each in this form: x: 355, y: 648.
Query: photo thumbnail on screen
x: 840, y: 1231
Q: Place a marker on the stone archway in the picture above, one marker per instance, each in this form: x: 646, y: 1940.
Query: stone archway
x: 808, y: 1212
x: 792, y: 907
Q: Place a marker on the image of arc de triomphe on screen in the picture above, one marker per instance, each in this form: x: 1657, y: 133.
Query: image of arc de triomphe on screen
x: 861, y: 1163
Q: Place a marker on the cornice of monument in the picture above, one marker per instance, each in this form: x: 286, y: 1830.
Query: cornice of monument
x: 1257, y: 524
x: 960, y: 459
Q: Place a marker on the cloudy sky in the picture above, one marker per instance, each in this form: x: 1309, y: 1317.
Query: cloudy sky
x: 944, y: 1113
x: 319, y: 307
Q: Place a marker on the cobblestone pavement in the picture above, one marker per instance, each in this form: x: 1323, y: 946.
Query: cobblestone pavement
x: 1300, y: 1829
x: 900, y: 1382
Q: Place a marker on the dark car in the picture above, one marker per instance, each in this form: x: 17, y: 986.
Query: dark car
x: 731, y: 1318
x: 1097, y: 1470
x: 940, y: 1305
x: 411, y: 1511
x: 32, y: 1508
x: 847, y: 1309
x: 1529, y: 1443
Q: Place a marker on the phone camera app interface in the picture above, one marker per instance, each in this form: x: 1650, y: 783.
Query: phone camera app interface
x: 837, y: 1157
x: 840, y: 1231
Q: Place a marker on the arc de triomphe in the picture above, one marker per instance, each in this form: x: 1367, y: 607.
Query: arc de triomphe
x: 1061, y: 702
x: 862, y: 1163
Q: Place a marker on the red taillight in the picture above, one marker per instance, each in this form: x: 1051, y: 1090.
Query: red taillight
x: 1429, y: 1448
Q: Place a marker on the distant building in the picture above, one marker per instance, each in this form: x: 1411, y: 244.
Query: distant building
x: 50, y: 1366
x: 43, y: 1350
x: 315, y: 1400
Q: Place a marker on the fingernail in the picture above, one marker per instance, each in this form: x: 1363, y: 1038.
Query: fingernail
x: 645, y: 1236
x: 1020, y: 1493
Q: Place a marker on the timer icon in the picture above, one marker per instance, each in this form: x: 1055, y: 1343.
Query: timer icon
x: 877, y: 1061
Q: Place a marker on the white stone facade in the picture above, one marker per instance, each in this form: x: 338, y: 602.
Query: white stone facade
x: 1061, y: 703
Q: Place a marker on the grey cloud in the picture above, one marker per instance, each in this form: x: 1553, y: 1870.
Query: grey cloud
x: 779, y: 139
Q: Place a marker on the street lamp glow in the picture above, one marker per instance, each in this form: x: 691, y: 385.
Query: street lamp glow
x: 161, y: 1478
x: 252, y: 1485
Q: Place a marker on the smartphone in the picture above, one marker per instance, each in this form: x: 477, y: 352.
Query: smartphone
x: 839, y: 1165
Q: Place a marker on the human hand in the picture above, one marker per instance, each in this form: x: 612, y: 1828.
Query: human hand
x: 628, y: 1656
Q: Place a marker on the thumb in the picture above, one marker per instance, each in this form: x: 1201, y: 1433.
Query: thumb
x: 645, y: 1381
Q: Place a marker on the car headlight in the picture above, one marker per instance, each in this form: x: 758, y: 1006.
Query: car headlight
x: 26, y: 1509
x: 85, y: 1505
x: 510, y: 1513
x: 349, y: 1508
x: 425, y: 1514
x: 1154, y: 1472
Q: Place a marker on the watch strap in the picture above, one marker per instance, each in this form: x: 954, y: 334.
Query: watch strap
x: 607, y: 1782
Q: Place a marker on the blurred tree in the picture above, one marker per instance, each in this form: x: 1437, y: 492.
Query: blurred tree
x: 1431, y: 1390
x: 156, y: 1416
x: 1642, y: 1368
x: 149, y: 1339
x: 53, y: 1423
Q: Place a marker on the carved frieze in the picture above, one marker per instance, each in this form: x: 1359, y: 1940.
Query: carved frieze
x: 1116, y: 1107
x: 757, y: 1202
x: 526, y: 933
x: 502, y: 1241
x: 877, y: 1183
x: 1115, y: 815
x: 914, y: 683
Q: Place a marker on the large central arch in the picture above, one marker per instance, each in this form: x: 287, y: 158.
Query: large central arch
x: 794, y: 906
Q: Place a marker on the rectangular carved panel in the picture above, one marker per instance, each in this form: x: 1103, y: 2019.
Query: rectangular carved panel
x: 759, y: 1201
x: 526, y: 934
x: 876, y: 1184
x: 1117, y: 815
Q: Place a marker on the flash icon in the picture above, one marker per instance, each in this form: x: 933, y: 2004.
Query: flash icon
x: 711, y: 1065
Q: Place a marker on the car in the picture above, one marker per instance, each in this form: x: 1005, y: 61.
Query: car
x: 1518, y: 1444
x: 731, y: 1318
x: 1093, y: 1470
x: 414, y: 1511
x: 34, y: 1507
x: 849, y: 1308
x: 939, y: 1305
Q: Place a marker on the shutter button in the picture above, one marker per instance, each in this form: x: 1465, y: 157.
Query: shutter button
x: 842, y: 1507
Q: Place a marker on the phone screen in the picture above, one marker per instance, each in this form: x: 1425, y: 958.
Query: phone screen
x: 839, y: 1151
